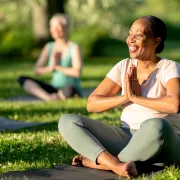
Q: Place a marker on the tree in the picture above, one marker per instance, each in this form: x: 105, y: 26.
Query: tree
x: 39, y: 11
x: 112, y: 15
x: 42, y: 10
x: 23, y: 21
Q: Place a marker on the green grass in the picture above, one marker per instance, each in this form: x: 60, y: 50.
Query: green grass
x: 42, y: 146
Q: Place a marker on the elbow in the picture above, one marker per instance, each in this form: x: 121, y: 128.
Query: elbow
x: 36, y: 72
x: 90, y: 106
x: 77, y: 74
x: 174, y: 109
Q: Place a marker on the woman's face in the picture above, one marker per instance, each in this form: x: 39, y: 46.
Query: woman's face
x: 56, y: 29
x: 140, y: 40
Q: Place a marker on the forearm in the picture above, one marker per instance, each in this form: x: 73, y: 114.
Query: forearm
x: 42, y: 70
x: 99, y: 103
x: 165, y: 104
x: 69, y: 71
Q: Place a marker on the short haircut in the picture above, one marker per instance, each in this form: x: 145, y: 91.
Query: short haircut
x: 159, y: 30
x: 64, y: 20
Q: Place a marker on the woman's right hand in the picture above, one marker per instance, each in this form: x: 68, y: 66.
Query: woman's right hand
x: 135, y: 86
x: 125, y: 95
x: 131, y: 84
x: 55, y: 59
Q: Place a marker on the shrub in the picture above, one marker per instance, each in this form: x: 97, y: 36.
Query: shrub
x: 87, y: 37
x: 15, y: 42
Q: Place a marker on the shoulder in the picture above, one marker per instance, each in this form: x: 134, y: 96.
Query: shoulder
x: 168, y: 69
x: 49, y: 44
x: 73, y: 44
x: 124, y: 62
x: 74, y: 47
x: 166, y: 64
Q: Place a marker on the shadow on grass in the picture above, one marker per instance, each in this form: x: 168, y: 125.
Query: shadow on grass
x: 54, y: 111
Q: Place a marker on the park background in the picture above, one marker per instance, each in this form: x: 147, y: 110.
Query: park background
x: 100, y: 28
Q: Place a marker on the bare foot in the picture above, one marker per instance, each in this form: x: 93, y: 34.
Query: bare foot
x: 123, y: 169
x: 81, y: 160
x: 53, y: 97
x: 61, y: 95
x: 84, y: 161
x: 126, y: 169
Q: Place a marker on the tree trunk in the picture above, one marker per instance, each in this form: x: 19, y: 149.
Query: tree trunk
x: 55, y: 6
x: 42, y: 11
x: 40, y: 21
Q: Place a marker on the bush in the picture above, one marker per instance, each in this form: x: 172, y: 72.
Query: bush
x: 95, y: 41
x: 15, y: 42
x: 87, y: 37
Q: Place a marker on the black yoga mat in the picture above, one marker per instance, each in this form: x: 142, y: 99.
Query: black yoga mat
x: 66, y: 172
x: 9, y: 124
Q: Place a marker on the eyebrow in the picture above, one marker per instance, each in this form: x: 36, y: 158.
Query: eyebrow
x: 135, y: 31
x: 145, y: 32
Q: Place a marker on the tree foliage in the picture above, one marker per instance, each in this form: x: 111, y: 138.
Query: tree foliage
x: 165, y: 9
x: 112, y: 15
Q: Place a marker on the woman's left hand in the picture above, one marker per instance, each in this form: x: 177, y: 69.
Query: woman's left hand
x: 133, y: 87
x: 55, y: 59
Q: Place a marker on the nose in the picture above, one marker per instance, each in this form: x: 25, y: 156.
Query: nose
x: 131, y: 38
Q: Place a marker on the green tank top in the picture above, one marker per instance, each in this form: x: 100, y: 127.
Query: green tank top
x: 59, y: 79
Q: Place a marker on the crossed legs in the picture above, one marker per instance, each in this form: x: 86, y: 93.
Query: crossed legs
x: 40, y: 89
x: 100, y: 144
x: 35, y: 89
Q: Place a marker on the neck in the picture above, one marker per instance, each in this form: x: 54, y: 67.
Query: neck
x: 62, y: 41
x: 150, y: 63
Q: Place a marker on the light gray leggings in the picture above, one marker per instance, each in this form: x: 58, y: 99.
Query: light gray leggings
x: 155, y: 141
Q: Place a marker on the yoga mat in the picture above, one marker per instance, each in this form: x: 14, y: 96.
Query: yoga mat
x: 9, y: 124
x: 63, y: 172
x: 29, y: 98
x: 24, y: 98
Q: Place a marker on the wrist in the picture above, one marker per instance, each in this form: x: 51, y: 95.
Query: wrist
x: 51, y: 68
x: 133, y: 98
x: 124, y: 99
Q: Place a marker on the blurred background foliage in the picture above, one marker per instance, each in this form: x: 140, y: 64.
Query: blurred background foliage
x: 99, y: 26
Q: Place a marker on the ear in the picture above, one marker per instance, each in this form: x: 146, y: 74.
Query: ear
x: 157, y: 41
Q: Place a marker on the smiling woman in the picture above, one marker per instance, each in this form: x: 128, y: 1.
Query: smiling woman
x: 150, y: 94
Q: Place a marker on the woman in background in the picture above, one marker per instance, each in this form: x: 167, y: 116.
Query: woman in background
x: 63, y: 59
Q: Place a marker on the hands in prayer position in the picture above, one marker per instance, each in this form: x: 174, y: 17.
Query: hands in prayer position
x: 132, y: 87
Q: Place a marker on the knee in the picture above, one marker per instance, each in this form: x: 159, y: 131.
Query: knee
x: 69, y: 91
x: 156, y: 127
x: 21, y: 80
x: 66, y: 123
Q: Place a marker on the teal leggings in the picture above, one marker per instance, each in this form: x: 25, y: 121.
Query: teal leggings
x: 155, y: 141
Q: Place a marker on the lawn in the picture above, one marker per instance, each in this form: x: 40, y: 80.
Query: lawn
x: 43, y: 146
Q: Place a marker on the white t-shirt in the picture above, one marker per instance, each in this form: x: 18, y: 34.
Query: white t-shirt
x: 133, y: 114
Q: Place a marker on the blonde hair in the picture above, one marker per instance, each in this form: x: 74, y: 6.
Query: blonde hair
x: 63, y: 19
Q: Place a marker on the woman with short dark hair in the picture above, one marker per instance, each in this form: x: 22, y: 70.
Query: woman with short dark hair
x: 150, y: 97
